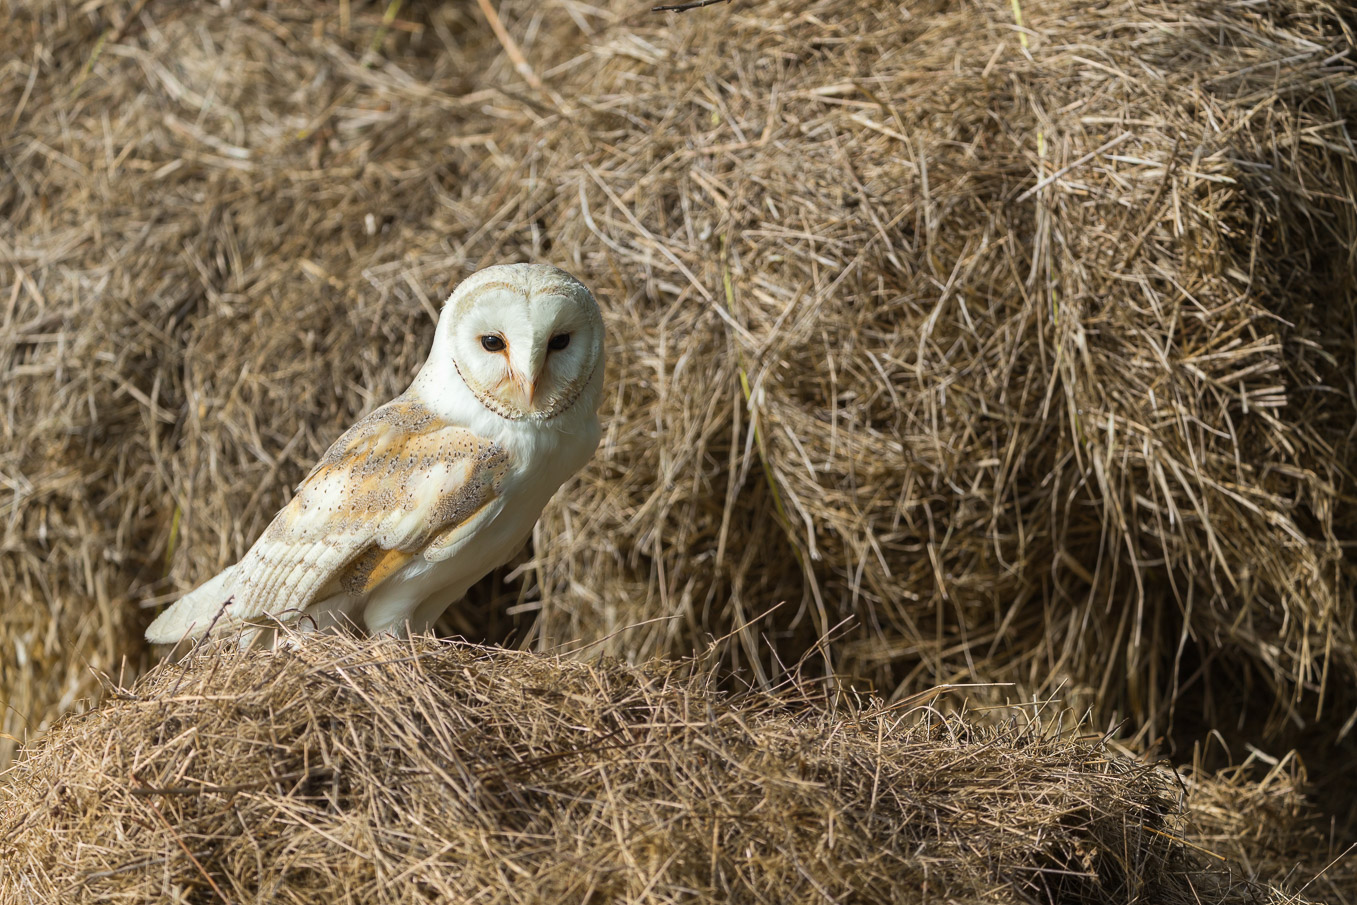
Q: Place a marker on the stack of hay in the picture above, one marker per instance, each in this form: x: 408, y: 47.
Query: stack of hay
x: 1029, y: 351
x: 999, y: 350
x: 397, y: 771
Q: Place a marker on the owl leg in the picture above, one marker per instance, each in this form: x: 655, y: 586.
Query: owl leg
x: 395, y: 601
x: 427, y: 613
x: 330, y: 614
x: 325, y: 615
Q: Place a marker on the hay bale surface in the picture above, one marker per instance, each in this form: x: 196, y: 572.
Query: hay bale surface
x: 998, y: 352
x: 1026, y: 351
x: 193, y: 304
x: 385, y: 771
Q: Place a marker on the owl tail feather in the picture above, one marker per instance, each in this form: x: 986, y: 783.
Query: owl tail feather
x: 194, y: 614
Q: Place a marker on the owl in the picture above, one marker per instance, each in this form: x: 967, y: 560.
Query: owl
x: 434, y: 489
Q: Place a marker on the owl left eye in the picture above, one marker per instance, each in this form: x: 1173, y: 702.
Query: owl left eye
x: 558, y: 342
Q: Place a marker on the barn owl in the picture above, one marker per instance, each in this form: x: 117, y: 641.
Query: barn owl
x: 434, y: 489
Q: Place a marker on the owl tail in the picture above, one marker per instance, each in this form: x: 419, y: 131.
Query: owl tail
x: 194, y: 613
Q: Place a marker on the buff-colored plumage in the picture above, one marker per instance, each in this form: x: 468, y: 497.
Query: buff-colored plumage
x: 429, y: 492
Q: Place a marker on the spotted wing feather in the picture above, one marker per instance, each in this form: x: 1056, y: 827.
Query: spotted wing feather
x: 394, y: 483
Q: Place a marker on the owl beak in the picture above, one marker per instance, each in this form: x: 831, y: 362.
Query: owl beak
x: 527, y: 390
x: 525, y: 381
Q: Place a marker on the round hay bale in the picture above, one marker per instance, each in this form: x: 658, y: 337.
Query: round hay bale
x: 384, y: 771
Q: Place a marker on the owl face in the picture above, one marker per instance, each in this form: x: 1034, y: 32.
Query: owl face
x: 526, y: 339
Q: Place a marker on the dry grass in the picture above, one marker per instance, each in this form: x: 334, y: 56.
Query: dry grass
x: 390, y: 771
x: 1035, y: 362
x: 1255, y: 815
x: 1008, y: 353
x: 200, y: 308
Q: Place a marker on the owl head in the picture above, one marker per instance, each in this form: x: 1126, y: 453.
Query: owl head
x: 525, y: 339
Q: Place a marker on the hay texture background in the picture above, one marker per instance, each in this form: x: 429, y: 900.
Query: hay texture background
x: 388, y: 771
x: 998, y: 351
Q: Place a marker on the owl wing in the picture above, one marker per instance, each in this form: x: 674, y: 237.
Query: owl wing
x: 395, y: 483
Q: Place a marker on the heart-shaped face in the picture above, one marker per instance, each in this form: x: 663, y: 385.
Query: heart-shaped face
x: 526, y: 339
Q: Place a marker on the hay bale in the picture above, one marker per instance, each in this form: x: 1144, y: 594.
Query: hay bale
x: 385, y: 771
x: 210, y: 221
x: 1261, y: 815
x: 1026, y: 352
x: 1026, y: 399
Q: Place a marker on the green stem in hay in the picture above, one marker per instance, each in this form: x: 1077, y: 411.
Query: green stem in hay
x: 174, y: 537
x: 388, y: 17
x: 761, y: 450
x: 89, y: 65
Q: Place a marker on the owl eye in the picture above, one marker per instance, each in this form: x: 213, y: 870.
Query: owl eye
x: 492, y: 343
x: 558, y: 342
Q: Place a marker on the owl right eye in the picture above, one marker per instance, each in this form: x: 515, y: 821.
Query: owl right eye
x: 492, y: 343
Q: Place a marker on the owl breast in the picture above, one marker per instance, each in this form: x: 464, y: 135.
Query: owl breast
x: 420, y: 590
